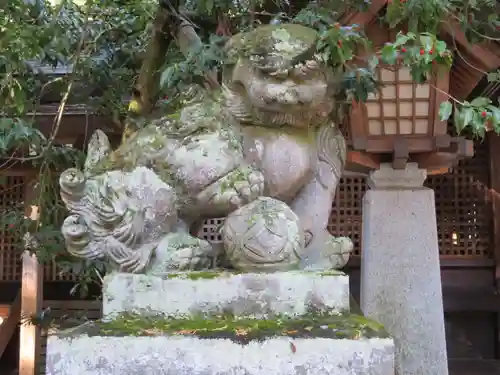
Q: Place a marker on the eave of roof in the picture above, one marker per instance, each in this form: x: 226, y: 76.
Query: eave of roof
x: 472, y: 62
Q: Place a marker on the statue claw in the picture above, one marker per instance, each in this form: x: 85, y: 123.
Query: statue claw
x: 236, y: 189
x: 326, y: 252
x: 249, y: 188
x: 338, y: 250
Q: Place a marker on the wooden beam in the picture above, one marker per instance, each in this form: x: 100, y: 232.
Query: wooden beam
x: 31, y: 292
x: 474, y: 366
x: 31, y: 303
x: 73, y: 125
x: 437, y: 171
x: 76, y: 120
x: 436, y: 160
x: 9, y: 325
x: 494, y: 196
x: 463, y: 79
x: 487, y: 54
x: 460, y: 299
x: 401, y: 154
x: 447, y: 262
x: 468, y: 68
x: 442, y: 141
x: 456, y: 299
x: 364, y: 18
x: 445, y: 157
x: 358, y: 161
x: 4, y: 310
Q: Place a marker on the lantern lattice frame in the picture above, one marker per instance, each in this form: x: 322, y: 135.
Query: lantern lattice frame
x: 402, y: 120
x: 402, y: 111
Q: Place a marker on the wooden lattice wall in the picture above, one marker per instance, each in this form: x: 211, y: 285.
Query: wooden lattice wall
x: 463, y: 209
x: 11, y: 197
x: 462, y: 206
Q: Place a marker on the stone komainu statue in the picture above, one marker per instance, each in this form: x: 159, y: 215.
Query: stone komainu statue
x: 263, y: 153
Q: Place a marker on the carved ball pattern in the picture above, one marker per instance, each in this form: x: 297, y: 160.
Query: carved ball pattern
x: 264, y: 235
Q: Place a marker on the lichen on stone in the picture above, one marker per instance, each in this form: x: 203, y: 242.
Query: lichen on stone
x: 274, y: 47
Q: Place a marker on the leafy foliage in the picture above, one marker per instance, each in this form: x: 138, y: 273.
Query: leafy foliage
x: 480, y: 115
x: 198, y: 62
x: 88, y: 52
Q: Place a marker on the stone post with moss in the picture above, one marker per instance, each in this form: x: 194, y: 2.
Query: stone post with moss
x: 208, y: 322
x: 264, y: 154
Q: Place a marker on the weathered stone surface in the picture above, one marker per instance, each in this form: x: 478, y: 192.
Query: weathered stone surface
x: 264, y: 235
x: 249, y: 294
x: 268, y: 133
x: 400, y: 273
x: 84, y: 355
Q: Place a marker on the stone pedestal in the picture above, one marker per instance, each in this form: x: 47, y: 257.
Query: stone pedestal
x: 212, y: 293
x: 98, y: 355
x: 400, y: 271
x: 208, y: 323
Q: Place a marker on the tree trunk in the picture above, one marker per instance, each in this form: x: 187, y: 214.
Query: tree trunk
x: 167, y: 27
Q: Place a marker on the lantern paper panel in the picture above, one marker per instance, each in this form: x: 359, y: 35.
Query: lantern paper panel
x: 401, y: 107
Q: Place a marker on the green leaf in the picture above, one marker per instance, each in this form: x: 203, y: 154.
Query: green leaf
x: 494, y: 120
x: 427, y: 42
x: 348, y: 53
x: 401, y: 39
x: 480, y: 102
x: 445, y: 110
x: 440, y: 46
x: 456, y: 119
x: 495, y: 114
x: 418, y: 73
x: 477, y: 124
x: 209, y: 4
x: 389, y: 54
x: 373, y: 62
x: 464, y: 118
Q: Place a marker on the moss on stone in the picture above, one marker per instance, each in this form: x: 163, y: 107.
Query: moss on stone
x: 197, y: 275
x: 241, y: 330
x: 291, y: 42
x: 331, y: 273
x: 216, y: 273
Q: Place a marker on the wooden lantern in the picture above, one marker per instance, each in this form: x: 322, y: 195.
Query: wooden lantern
x: 401, y: 122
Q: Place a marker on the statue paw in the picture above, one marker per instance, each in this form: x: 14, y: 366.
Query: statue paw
x: 246, y: 188
x: 241, y: 186
x: 182, y: 252
x: 326, y: 252
x: 338, y: 250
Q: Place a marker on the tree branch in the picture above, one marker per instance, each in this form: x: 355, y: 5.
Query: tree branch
x: 168, y: 26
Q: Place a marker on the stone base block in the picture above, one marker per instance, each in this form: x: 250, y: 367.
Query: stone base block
x: 181, y: 355
x: 246, y: 294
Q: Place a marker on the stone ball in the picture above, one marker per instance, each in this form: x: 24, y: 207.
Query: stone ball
x: 264, y: 235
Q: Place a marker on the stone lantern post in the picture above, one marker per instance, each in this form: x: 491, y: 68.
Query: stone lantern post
x: 398, y: 135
